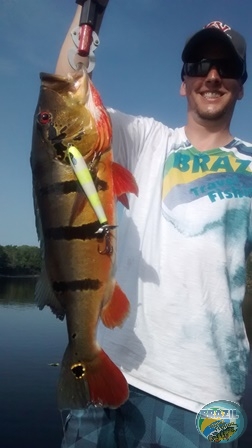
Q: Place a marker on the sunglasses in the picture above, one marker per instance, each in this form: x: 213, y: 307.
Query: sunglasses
x: 226, y: 68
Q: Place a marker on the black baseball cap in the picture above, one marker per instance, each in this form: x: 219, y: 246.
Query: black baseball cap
x: 220, y: 32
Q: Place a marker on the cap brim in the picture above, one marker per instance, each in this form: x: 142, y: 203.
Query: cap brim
x: 193, y: 45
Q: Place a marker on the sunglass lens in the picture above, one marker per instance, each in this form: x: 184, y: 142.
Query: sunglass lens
x: 227, y: 68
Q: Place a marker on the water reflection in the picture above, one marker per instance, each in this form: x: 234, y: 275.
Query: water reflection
x: 31, y: 340
x: 17, y: 290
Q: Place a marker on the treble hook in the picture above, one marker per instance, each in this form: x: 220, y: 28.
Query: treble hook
x: 105, y: 231
x: 95, y: 159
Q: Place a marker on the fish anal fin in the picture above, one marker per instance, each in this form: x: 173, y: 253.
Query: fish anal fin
x: 124, y: 182
x: 107, y: 385
x: 115, y: 311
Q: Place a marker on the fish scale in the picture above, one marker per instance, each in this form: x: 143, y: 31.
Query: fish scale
x: 77, y: 274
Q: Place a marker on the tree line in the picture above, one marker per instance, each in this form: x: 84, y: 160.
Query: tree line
x: 20, y: 260
x: 26, y: 260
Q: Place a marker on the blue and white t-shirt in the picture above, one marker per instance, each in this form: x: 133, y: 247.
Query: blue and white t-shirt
x: 181, y: 261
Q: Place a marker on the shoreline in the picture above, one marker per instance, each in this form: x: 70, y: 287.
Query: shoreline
x: 19, y: 276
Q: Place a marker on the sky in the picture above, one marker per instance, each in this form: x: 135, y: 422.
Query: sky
x: 138, y: 64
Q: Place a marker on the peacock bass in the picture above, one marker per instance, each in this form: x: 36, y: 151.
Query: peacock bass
x: 78, y: 256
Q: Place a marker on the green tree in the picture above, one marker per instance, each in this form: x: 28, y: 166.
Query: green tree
x: 19, y: 260
x: 3, y: 260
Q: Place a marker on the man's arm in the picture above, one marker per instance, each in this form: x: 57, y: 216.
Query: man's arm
x: 63, y: 66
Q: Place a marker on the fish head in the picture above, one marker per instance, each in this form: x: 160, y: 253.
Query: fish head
x: 70, y: 112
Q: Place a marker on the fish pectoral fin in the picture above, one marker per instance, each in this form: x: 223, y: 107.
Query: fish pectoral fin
x: 124, y: 182
x: 44, y: 295
x: 97, y: 381
x: 116, y: 309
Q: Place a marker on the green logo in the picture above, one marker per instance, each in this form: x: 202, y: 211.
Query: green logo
x: 221, y: 421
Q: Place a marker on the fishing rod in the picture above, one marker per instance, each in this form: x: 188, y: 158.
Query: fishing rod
x: 90, y: 21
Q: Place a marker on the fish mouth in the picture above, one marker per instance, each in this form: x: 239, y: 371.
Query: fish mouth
x: 51, y: 77
x: 60, y: 83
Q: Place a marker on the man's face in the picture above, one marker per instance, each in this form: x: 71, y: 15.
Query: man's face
x: 211, y: 97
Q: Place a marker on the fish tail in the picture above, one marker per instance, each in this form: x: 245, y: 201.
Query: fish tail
x: 98, y: 382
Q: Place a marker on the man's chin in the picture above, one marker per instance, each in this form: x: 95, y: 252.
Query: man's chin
x: 211, y: 115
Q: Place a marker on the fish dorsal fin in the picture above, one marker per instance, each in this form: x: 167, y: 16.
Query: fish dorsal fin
x: 102, y: 119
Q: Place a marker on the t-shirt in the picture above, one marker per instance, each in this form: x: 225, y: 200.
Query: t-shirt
x: 181, y: 257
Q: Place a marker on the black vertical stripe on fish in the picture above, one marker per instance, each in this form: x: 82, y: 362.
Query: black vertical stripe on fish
x: 70, y: 186
x: 66, y: 187
x: 83, y: 232
x: 53, y: 136
x: 101, y: 185
x: 61, y: 152
x: 77, y: 285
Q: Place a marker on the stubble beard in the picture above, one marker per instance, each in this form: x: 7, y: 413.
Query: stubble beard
x: 215, y: 114
x: 212, y: 115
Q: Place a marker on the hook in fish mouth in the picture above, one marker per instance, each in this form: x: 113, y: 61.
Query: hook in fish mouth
x: 79, y: 371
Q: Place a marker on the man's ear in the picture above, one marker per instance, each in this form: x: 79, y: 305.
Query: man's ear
x: 241, y: 92
x: 182, y: 89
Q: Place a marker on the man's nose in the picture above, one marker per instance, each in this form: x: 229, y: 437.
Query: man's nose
x: 213, y: 75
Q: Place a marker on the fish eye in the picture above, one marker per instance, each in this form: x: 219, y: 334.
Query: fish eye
x: 44, y: 117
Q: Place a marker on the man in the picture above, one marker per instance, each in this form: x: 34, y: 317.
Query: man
x: 181, y: 257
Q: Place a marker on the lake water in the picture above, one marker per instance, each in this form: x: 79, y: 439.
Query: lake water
x: 30, y: 340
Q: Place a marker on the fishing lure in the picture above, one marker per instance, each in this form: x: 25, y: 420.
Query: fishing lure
x: 86, y: 182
